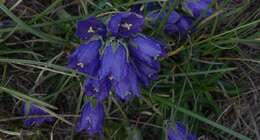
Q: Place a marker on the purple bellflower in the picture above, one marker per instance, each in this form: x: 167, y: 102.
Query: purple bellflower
x: 125, y: 24
x: 116, y: 66
x: 90, y: 27
x: 34, y: 110
x: 145, y: 53
x: 113, y: 63
x: 91, y: 119
x: 199, y: 8
x: 86, y: 57
x: 144, y: 72
x: 177, y: 24
x: 128, y: 88
x: 147, y: 50
x: 97, y: 88
x: 180, y: 132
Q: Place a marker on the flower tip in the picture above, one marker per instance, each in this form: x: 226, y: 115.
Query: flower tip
x: 90, y: 27
x: 125, y: 24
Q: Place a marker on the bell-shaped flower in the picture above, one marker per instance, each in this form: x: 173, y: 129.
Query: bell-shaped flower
x: 86, y: 57
x: 90, y: 27
x: 180, y: 132
x: 113, y: 62
x: 199, y: 8
x: 128, y: 88
x: 177, y: 24
x: 97, y: 88
x: 91, y: 119
x: 125, y: 24
x: 144, y: 72
x: 147, y: 50
x: 31, y: 109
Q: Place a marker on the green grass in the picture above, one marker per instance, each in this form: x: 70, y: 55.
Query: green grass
x: 200, y: 77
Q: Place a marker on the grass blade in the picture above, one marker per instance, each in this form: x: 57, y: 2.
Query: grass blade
x: 26, y: 97
x: 203, y: 119
x: 28, y: 28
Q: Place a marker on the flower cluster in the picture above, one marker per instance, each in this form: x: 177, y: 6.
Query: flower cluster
x: 116, y: 57
x: 179, y: 24
x: 180, y: 132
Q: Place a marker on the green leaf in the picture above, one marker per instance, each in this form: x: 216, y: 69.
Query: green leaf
x: 44, y: 66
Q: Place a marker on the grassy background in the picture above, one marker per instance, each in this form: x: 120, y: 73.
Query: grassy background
x: 209, y: 81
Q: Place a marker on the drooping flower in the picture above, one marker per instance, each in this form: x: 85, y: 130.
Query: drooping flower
x: 199, y: 8
x: 97, y: 88
x: 91, y: 119
x: 180, y: 132
x: 90, y: 27
x: 128, y: 87
x: 125, y: 24
x: 113, y: 63
x: 147, y: 50
x: 144, y: 72
x: 31, y: 109
x: 177, y: 24
x: 144, y: 52
x: 86, y: 57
